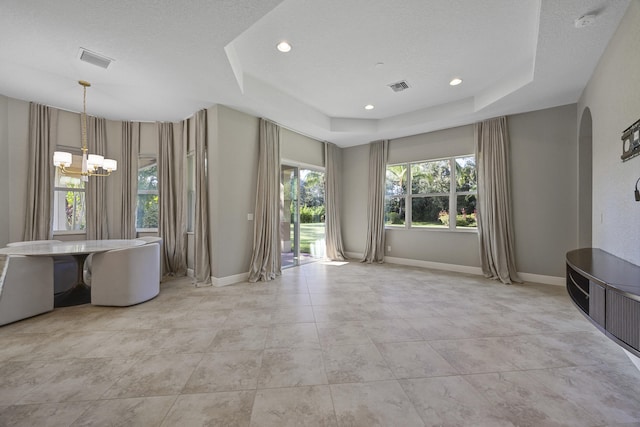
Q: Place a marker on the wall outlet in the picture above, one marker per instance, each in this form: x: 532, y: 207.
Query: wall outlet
x: 388, y: 248
x: 250, y: 217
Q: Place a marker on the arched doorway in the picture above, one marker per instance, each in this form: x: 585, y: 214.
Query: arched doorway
x: 585, y: 174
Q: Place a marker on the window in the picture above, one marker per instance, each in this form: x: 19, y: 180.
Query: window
x: 147, y: 203
x: 423, y: 194
x: 69, y: 200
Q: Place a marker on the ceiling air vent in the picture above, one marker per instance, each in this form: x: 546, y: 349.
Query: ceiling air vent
x: 399, y: 86
x: 94, y: 58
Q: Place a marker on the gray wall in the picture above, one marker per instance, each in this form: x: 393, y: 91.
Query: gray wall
x: 543, y: 157
x: 233, y: 160
x: 544, y: 188
x: 613, y: 97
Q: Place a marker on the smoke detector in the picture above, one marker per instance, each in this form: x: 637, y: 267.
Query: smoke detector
x: 584, y: 21
x: 399, y: 86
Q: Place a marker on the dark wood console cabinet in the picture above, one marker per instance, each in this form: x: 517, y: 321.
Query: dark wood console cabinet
x: 606, y: 289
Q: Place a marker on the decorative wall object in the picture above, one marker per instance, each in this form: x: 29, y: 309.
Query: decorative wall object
x: 631, y: 141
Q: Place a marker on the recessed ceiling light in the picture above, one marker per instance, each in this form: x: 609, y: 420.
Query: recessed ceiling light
x: 455, y: 81
x: 284, y: 47
x: 369, y: 107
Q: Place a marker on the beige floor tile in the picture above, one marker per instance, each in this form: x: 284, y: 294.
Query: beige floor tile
x: 452, y: 401
x: 291, y: 368
x: 295, y: 406
x: 528, y: 403
x: 225, y: 371
x: 293, y: 335
x: 247, y: 338
x: 159, y: 375
x: 139, y: 411
x: 225, y: 409
x: 381, y: 403
x: 415, y: 359
x: 45, y: 414
x: 77, y: 380
x: 355, y: 363
x: 425, y: 346
x: 342, y: 333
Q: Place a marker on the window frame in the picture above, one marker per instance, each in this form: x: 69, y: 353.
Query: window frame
x: 453, y: 195
x: 77, y: 159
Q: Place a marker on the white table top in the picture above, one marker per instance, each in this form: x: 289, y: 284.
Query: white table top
x: 71, y: 247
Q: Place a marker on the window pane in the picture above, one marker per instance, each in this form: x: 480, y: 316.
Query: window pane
x: 466, y: 206
x: 147, y: 211
x: 147, y: 175
x: 396, y: 180
x: 67, y: 181
x: 466, y: 176
x: 430, y: 177
x: 68, y: 210
x: 394, y: 211
x: 430, y: 211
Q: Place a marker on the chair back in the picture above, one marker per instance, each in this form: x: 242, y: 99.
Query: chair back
x: 122, y: 277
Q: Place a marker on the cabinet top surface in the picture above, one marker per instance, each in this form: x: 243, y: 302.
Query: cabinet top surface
x: 604, y: 267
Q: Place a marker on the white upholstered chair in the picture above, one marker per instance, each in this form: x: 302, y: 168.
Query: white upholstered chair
x: 123, y: 277
x: 64, y: 267
x: 154, y: 239
x: 26, y: 287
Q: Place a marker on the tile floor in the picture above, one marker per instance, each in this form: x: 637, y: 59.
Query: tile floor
x: 345, y: 345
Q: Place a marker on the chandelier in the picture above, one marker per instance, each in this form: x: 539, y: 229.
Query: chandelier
x: 92, y: 164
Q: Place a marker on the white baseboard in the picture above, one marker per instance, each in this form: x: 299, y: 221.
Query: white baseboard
x: 229, y: 280
x: 546, y: 280
x: 435, y: 265
x: 527, y: 277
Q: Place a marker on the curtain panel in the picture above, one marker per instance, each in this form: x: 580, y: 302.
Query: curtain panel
x: 374, y: 249
x: 171, y: 193
x: 96, y: 187
x: 495, y: 229
x: 333, y: 235
x: 129, y: 172
x: 202, y: 257
x: 265, y: 258
x: 43, y: 131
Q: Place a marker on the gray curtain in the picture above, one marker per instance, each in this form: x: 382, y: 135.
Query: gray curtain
x: 374, y: 249
x: 333, y: 235
x: 43, y: 123
x: 202, y: 258
x: 128, y: 169
x: 265, y: 258
x: 96, y: 187
x: 172, y: 225
x: 495, y: 229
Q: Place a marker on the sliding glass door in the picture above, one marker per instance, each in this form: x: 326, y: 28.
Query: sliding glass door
x: 301, y: 215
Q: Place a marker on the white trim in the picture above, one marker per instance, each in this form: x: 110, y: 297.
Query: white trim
x: 434, y: 265
x: 527, y: 277
x: 539, y: 278
x: 229, y: 280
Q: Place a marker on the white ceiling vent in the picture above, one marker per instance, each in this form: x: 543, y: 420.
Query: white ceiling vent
x: 399, y: 86
x: 94, y: 58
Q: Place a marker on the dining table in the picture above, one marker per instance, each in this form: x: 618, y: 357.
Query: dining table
x: 79, y: 292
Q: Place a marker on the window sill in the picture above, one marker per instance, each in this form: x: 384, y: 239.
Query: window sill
x: 434, y: 229
x: 69, y: 233
x: 146, y: 230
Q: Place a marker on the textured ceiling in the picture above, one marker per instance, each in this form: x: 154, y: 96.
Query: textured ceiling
x: 173, y: 58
